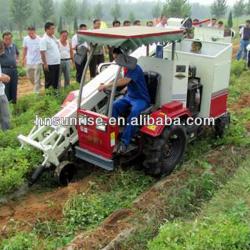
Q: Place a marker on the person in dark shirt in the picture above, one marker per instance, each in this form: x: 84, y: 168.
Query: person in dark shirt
x: 137, y: 97
x: 244, y: 42
x: 9, y: 61
x: 98, y: 56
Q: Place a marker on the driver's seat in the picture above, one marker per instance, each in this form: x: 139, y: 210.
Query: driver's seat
x: 153, y: 81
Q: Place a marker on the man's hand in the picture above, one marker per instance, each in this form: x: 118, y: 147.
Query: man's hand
x: 5, y: 78
x: 24, y: 62
x: 46, y: 67
x: 102, y: 87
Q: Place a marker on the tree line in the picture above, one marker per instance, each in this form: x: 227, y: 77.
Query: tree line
x: 17, y: 14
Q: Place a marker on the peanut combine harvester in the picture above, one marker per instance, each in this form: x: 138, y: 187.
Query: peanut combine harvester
x: 181, y: 84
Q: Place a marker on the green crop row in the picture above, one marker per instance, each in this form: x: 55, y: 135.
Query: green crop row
x: 223, y: 223
x: 16, y: 163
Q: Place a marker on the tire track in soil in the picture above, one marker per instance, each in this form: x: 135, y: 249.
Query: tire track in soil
x: 40, y: 206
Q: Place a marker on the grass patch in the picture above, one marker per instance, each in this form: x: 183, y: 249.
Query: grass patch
x: 229, y: 229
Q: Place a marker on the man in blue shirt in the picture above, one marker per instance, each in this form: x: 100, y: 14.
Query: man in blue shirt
x: 137, y: 96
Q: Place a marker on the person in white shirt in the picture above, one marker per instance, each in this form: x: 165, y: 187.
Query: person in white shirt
x: 50, y: 55
x: 66, y: 56
x: 4, y: 104
x: 163, y: 22
x: 213, y: 23
x: 80, y: 53
x: 32, y: 58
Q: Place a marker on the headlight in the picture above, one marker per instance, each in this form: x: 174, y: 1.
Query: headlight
x: 101, y: 127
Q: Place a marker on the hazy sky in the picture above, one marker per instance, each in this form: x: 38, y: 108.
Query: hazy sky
x: 208, y: 2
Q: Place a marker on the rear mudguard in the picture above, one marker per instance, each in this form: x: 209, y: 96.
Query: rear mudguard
x: 166, y: 116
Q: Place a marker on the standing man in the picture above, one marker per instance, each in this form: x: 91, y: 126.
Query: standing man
x: 98, y: 56
x: 80, y: 53
x: 32, y: 58
x: 163, y: 22
x: 115, y: 24
x: 137, y: 23
x: 126, y: 23
x: 66, y: 53
x: 213, y: 23
x: 150, y: 24
x: 9, y: 61
x: 245, y: 37
x: 50, y: 55
x: 4, y: 105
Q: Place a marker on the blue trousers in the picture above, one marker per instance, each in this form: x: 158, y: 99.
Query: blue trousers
x: 242, y: 50
x: 137, y: 106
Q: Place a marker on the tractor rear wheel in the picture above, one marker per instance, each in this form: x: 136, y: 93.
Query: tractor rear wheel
x: 163, y: 153
x: 221, y: 124
x: 65, y: 172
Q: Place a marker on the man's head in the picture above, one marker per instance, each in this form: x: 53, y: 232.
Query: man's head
x: 196, y: 47
x: 150, y: 24
x: 164, y: 20
x: 49, y: 28
x: 64, y: 35
x: 116, y: 23
x: 116, y: 52
x: 31, y: 32
x: 82, y: 26
x: 220, y: 24
x: 97, y: 24
x: 248, y: 23
x: 137, y: 23
x: 1, y: 47
x: 213, y: 21
x: 7, y: 38
x: 126, y: 23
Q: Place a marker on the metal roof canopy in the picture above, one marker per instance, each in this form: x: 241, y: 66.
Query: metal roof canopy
x: 130, y: 37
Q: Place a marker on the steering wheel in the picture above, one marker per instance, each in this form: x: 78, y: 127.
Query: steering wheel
x: 117, y: 92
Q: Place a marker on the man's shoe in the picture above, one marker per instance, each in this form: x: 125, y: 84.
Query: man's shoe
x: 124, y: 149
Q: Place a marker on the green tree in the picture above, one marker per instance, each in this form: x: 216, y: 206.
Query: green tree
x: 131, y: 16
x: 177, y: 8
x: 230, y: 20
x: 46, y: 9
x: 4, y: 15
x: 156, y: 11
x: 20, y: 11
x: 75, y: 24
x: 239, y: 8
x: 69, y: 11
x: 248, y: 8
x: 219, y: 8
x: 60, y: 25
x: 84, y: 10
x: 98, y: 11
x: 116, y: 11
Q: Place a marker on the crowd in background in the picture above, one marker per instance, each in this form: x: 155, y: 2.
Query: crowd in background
x: 55, y: 57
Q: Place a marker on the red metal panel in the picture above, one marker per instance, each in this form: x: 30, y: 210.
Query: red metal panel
x: 94, y: 140
x: 218, y: 103
x: 172, y: 110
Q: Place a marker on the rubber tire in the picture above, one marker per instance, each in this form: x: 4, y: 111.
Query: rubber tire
x: 221, y: 124
x: 65, y: 172
x: 156, y: 162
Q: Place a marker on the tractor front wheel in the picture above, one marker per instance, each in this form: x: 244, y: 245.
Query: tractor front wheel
x: 164, y: 152
x: 65, y: 172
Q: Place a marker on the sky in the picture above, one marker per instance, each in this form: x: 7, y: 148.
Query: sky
x: 209, y: 2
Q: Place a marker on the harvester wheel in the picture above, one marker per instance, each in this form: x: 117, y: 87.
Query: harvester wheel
x: 163, y: 153
x: 221, y: 124
x: 65, y: 172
